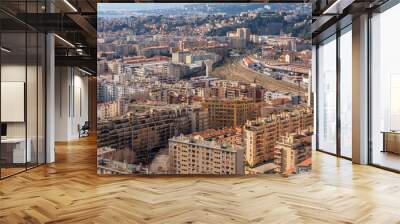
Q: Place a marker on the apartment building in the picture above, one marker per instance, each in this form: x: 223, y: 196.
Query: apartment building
x: 115, y: 161
x: 261, y: 135
x: 237, y: 89
x: 144, y: 132
x: 239, y: 39
x: 195, y: 155
x: 230, y: 112
x: 180, y: 56
x: 199, y: 118
x: 232, y: 136
x: 293, y: 153
x: 155, y: 50
x: 110, y: 109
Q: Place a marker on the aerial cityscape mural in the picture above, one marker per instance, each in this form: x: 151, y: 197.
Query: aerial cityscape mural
x: 212, y: 89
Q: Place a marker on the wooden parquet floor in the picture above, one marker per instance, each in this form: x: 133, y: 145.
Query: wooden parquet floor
x: 70, y: 191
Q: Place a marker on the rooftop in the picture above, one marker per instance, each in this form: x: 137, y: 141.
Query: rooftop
x: 198, y: 140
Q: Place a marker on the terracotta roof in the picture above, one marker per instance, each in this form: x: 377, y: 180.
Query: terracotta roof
x: 142, y: 60
x: 156, y: 47
x: 248, y: 61
x: 290, y: 171
x: 306, y: 162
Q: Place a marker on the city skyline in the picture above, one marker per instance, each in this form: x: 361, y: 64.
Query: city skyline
x: 104, y: 7
x: 216, y: 91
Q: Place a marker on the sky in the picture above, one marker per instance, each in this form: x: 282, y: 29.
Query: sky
x: 137, y: 6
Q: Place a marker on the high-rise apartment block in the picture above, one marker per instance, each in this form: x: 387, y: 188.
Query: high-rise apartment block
x: 293, y: 152
x: 223, y: 112
x: 239, y: 38
x: 194, y: 155
x: 199, y: 118
x: 110, y: 109
x: 144, y: 133
x: 180, y: 56
x: 261, y: 135
x: 232, y: 136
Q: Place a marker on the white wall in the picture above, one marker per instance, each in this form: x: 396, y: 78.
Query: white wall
x: 80, y: 110
x: 33, y: 126
x: 71, y: 103
x: 12, y: 73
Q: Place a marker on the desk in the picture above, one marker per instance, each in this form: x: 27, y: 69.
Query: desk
x: 13, y: 150
x: 391, y: 141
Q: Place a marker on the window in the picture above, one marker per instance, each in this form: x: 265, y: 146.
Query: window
x: 385, y: 89
x: 346, y: 93
x: 327, y: 95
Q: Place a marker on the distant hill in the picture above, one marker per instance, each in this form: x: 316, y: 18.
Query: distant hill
x: 271, y: 25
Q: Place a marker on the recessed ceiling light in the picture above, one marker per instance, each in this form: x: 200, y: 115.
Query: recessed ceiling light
x: 5, y: 50
x: 86, y: 72
x: 70, y: 5
x: 64, y: 40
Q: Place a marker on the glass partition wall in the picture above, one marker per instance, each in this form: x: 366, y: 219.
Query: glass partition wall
x: 334, y: 94
x: 22, y: 78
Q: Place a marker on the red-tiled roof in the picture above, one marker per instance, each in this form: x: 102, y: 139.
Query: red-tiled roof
x: 156, y: 47
x: 306, y: 162
x: 142, y: 60
x: 248, y: 61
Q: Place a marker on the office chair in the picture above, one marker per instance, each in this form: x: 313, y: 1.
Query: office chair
x: 84, y: 130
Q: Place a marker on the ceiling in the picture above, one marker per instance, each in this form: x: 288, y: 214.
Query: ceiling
x: 74, y: 22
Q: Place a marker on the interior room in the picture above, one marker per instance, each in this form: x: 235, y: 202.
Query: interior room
x: 72, y: 111
x: 334, y: 54
x: 49, y: 154
x: 22, y: 97
x: 47, y: 83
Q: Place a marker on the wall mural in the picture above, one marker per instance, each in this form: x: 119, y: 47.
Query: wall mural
x: 212, y: 89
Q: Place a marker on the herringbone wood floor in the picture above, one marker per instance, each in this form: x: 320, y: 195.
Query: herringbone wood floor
x: 69, y: 191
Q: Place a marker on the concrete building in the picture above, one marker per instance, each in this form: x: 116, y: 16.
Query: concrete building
x: 149, y: 68
x: 230, y: 112
x: 109, y: 109
x: 237, y: 89
x: 199, y: 118
x: 240, y: 38
x: 291, y: 151
x: 200, y: 56
x: 260, y: 136
x: 144, y: 132
x: 194, y: 155
x: 180, y: 56
x: 155, y: 50
x: 232, y: 136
